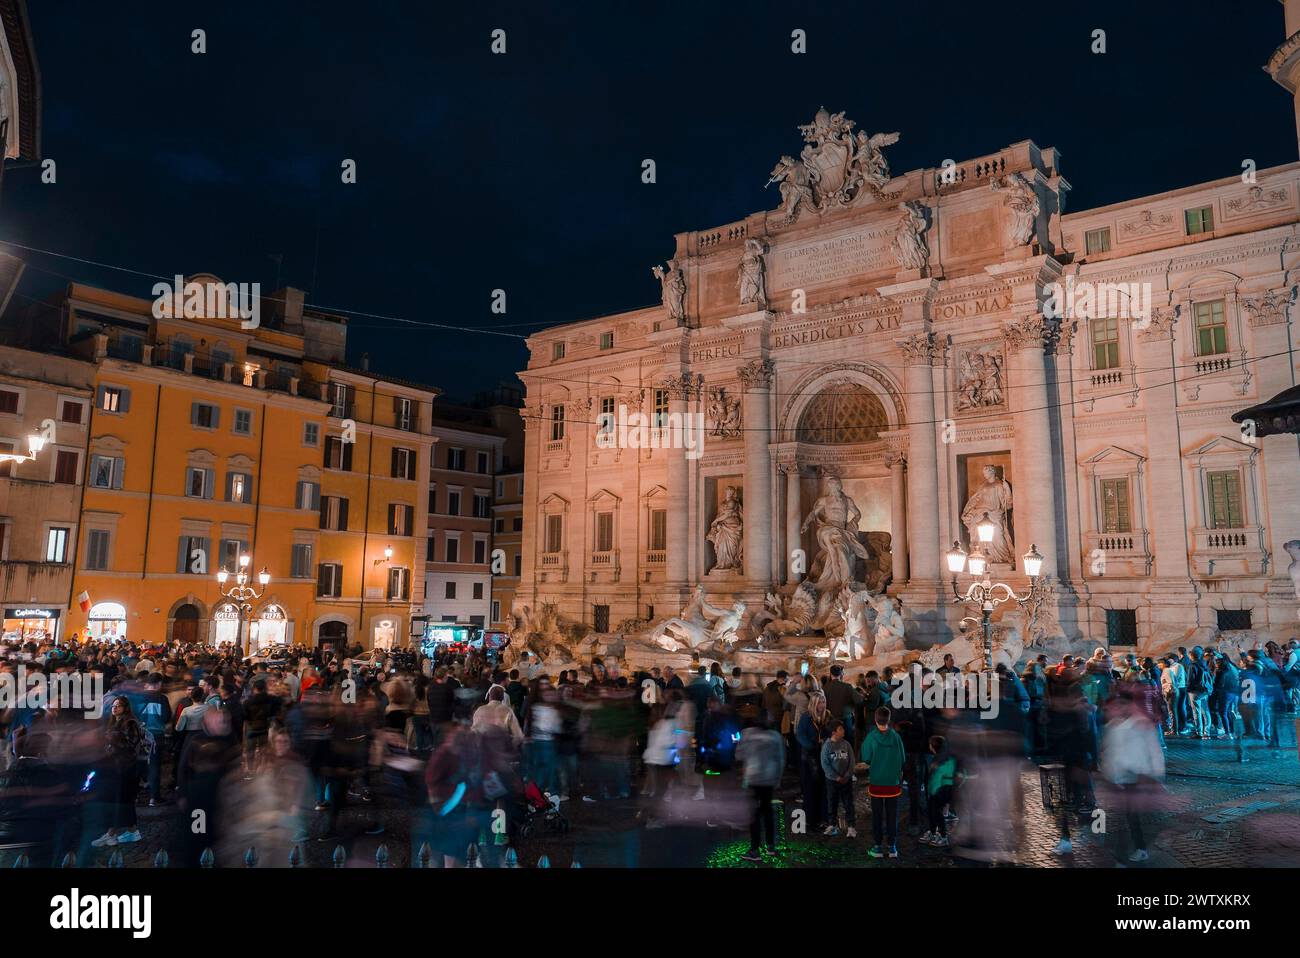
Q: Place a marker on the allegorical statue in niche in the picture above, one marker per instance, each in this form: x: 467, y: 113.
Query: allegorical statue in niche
x: 753, y: 286
x: 726, y: 532
x: 673, y: 285
x: 836, y: 516
x: 1292, y: 547
x: 993, y: 498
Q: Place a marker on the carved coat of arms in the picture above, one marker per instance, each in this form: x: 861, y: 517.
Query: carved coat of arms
x: 833, y: 167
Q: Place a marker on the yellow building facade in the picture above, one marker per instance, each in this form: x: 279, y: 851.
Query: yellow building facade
x: 213, y: 437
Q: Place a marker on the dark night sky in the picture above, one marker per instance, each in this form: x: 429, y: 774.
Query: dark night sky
x: 523, y: 171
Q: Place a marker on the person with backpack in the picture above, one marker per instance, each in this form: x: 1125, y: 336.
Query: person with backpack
x: 883, y: 753
x: 154, y: 711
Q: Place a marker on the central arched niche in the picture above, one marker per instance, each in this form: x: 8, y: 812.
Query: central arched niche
x: 845, y: 412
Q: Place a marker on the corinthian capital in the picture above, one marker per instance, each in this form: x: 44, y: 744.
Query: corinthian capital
x: 1033, y: 332
x: 1269, y: 308
x: 757, y: 374
x: 687, y: 386
x: 919, y: 349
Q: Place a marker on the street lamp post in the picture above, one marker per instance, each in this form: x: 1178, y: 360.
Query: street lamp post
x: 35, y: 444
x: 987, y: 594
x: 242, y: 593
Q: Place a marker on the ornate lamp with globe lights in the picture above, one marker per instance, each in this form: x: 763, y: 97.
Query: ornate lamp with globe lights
x: 242, y: 594
x: 987, y: 594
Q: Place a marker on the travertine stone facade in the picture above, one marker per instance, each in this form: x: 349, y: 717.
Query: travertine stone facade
x: 1112, y: 427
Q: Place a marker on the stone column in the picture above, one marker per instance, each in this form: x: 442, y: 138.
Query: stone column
x: 919, y: 353
x: 898, y: 515
x: 756, y: 378
x: 681, y: 390
x: 1036, y: 487
x: 793, y: 519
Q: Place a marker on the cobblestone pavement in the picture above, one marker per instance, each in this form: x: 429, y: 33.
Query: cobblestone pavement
x: 1214, y: 811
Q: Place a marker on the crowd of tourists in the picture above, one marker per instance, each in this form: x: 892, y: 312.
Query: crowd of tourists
x: 276, y: 752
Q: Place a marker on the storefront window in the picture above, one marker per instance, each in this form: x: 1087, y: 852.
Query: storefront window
x: 385, y: 633
x: 225, y: 625
x: 107, y: 620
x: 31, y: 624
x: 270, y: 628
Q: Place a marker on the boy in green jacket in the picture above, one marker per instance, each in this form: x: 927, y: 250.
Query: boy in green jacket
x: 882, y: 751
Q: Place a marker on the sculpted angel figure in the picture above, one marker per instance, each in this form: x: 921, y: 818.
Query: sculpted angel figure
x: 870, y: 156
x: 726, y: 532
x: 796, y: 185
x: 889, y: 624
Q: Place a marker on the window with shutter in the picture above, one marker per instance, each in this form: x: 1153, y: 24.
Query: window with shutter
x: 97, y: 549
x: 658, y: 530
x: 1225, y: 500
x: 604, y: 532
x: 65, y: 467
x: 1115, y: 506
x: 554, y: 533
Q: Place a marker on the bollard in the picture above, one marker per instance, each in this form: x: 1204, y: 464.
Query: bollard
x: 250, y: 857
x: 423, y: 856
x: 115, y: 860
x: 161, y: 860
x: 22, y: 861
x: 340, y: 857
x: 295, y: 857
x: 207, y: 859
x: 512, y: 859
x: 381, y: 856
x: 544, y: 862
x: 69, y: 860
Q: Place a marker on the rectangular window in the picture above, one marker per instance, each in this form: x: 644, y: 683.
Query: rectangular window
x: 239, y: 487
x: 430, y: 552
x: 519, y: 565
x: 1121, y: 627
x: 1115, y: 506
x: 482, y: 463
x: 106, y: 472
x: 453, y: 503
x: 400, y: 519
x: 607, y: 340
x: 1105, y: 343
x: 604, y: 532
x: 338, y: 454
x: 480, y: 551
x: 660, y: 414
x: 1211, y: 328
x: 1199, y: 220
x: 1097, y: 241
x: 70, y: 412
x: 557, y: 352
x: 478, y: 590
x: 456, y: 458
x: 340, y: 401
x: 56, y: 544
x: 65, y: 467
x: 300, y: 560
x: 403, y: 463
x: 1230, y: 620
x: 433, y: 500
x: 198, y: 483
x: 228, y: 553
x: 8, y: 401
x: 334, y: 513
x: 607, y: 420
x: 308, y: 495
x: 600, y: 618
x: 243, y: 422
x: 97, y: 549
x: 499, y: 526
x: 329, y: 580
x: 204, y: 415
x: 1224, y: 490
x: 658, y: 530
x: 482, y: 507
x: 554, y: 533
x: 403, y: 413
x: 496, y: 610
x: 518, y: 524
x: 450, y: 592
x: 192, y: 555
x: 114, y: 399
x: 501, y: 488
x: 557, y: 422
x: 453, y: 549
x: 311, y: 434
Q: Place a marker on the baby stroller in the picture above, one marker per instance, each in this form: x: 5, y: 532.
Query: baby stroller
x: 541, y: 813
